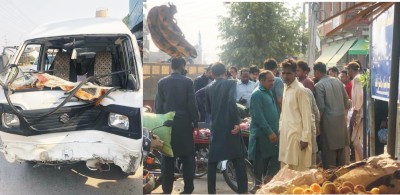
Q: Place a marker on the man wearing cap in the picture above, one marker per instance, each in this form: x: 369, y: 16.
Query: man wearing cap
x: 356, y: 121
x: 203, y: 80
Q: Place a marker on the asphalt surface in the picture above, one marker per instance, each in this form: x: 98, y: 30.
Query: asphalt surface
x: 23, y: 178
x: 200, y: 186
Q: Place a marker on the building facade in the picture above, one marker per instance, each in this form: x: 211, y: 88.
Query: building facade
x: 136, y: 18
x: 341, y: 46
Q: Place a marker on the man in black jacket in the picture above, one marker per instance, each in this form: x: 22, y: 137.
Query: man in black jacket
x: 225, y: 142
x: 199, y: 83
x: 203, y: 80
x: 176, y: 93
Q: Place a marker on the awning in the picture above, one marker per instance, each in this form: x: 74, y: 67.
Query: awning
x: 346, y: 46
x: 360, y: 48
x: 329, y: 52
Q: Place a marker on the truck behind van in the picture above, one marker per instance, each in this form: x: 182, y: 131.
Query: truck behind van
x: 81, y: 101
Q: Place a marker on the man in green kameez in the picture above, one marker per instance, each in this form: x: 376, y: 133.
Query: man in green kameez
x: 264, y: 127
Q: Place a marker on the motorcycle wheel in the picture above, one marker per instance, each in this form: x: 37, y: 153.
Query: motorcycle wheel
x: 230, y: 176
x: 157, y: 178
x: 199, y: 174
x: 201, y: 163
x: 157, y: 182
x: 148, y: 184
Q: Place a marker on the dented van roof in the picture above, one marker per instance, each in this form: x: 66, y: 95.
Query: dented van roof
x: 83, y: 26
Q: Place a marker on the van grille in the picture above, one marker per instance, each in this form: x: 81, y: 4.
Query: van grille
x: 66, y: 120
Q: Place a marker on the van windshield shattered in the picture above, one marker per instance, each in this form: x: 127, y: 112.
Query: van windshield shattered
x: 85, y: 69
x: 109, y: 58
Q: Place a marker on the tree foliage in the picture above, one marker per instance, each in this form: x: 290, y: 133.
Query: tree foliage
x: 254, y: 31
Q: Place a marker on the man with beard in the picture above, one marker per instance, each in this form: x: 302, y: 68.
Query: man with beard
x: 225, y: 140
x: 244, y: 88
x: 203, y: 80
x: 332, y: 101
x: 295, y: 140
x: 185, y: 120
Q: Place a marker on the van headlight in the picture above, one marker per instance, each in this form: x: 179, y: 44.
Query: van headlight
x: 9, y: 120
x: 119, y: 121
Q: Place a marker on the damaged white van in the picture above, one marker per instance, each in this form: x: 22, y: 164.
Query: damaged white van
x: 81, y: 102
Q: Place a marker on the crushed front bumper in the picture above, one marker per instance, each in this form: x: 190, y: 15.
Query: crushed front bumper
x: 68, y: 147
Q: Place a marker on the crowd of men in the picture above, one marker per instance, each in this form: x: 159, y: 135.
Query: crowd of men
x: 296, y: 121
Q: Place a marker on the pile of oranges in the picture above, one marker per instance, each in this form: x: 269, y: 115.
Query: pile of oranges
x: 337, y: 188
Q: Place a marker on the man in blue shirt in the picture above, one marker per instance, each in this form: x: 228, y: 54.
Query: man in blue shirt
x: 244, y: 88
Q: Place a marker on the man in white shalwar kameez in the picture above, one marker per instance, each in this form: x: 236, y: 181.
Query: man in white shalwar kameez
x: 357, y: 117
x: 295, y: 140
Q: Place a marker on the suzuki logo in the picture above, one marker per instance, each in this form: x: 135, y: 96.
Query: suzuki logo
x: 64, y: 118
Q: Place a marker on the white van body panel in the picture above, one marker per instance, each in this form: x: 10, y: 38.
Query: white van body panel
x: 84, y: 26
x: 72, y: 147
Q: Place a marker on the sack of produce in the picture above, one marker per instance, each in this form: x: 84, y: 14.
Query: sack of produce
x: 286, y: 180
x: 151, y: 121
x: 374, y: 172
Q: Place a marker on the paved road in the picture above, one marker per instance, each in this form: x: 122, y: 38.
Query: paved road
x: 200, y: 186
x: 22, y: 178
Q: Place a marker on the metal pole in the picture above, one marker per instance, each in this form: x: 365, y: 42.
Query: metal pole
x: 311, y: 41
x: 365, y: 135
x: 371, y: 105
x: 394, y: 82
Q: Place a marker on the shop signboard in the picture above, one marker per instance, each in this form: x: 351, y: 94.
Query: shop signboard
x: 381, y: 51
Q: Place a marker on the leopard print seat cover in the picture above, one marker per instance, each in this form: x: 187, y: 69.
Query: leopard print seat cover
x: 102, y: 66
x: 62, y: 65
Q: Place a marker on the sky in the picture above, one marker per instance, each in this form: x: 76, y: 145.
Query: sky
x: 19, y: 17
x: 199, y: 16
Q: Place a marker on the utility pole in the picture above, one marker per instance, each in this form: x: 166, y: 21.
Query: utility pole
x: 312, y: 15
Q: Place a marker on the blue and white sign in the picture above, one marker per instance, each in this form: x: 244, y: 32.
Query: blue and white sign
x: 381, y: 51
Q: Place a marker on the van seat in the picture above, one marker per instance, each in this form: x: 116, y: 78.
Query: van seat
x: 62, y: 67
x: 102, y: 66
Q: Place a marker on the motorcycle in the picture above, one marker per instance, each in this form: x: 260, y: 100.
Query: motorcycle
x: 228, y: 170
x: 225, y: 167
x: 151, y: 161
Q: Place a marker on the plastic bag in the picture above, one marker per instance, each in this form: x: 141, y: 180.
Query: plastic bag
x: 152, y: 121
